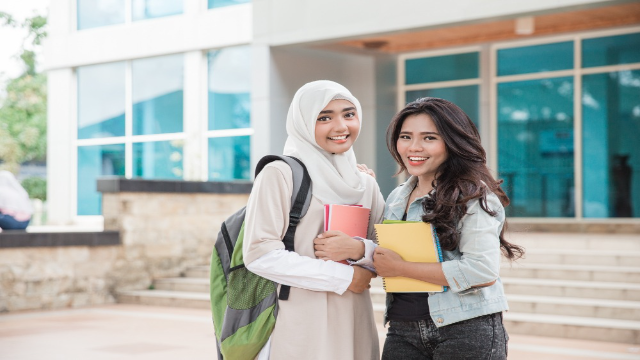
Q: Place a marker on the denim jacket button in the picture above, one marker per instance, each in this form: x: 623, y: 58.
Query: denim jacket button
x: 440, y: 320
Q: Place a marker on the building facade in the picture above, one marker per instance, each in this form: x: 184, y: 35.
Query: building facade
x: 199, y: 90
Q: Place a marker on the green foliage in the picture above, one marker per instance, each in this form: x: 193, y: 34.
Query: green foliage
x: 36, y: 187
x: 23, y: 112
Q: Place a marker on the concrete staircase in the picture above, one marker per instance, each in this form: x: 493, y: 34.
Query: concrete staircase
x: 581, y: 286
x: 189, y: 291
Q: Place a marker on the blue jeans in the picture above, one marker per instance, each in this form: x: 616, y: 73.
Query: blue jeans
x: 479, y: 338
x: 8, y: 222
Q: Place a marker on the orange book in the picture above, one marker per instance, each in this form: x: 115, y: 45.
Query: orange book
x: 352, y: 220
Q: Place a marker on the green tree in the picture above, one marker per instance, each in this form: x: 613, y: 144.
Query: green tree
x: 23, y: 111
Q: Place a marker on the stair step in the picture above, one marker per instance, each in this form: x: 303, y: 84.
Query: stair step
x: 567, y: 306
x: 198, y: 272
x: 572, y: 272
x: 378, y: 295
x: 573, y: 327
x: 576, y: 241
x: 182, y: 299
x: 582, y: 257
x: 572, y: 288
x: 182, y: 284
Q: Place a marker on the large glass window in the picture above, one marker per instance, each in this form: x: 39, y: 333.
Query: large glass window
x: 101, y: 100
x: 421, y: 73
x: 535, y: 146
x: 536, y: 58
x: 229, y: 89
x: 95, y: 13
x: 94, y: 162
x: 158, y: 95
x: 220, y: 3
x: 149, y: 9
x: 442, y: 68
x: 229, y: 158
x: 466, y: 97
x: 611, y: 155
x: 611, y: 50
x: 158, y: 159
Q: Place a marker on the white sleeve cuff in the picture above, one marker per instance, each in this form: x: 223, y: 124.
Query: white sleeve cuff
x: 367, y: 260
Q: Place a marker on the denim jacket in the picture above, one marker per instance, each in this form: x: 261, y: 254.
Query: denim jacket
x: 476, y: 260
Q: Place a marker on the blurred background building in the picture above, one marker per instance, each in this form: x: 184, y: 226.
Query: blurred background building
x: 199, y: 90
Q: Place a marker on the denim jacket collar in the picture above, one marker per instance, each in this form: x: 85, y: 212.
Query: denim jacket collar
x: 397, y: 202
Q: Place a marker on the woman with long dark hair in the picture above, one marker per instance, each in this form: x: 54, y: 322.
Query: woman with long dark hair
x: 450, y: 187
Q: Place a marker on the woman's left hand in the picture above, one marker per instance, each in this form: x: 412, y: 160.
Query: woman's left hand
x: 337, y: 246
x: 387, y: 262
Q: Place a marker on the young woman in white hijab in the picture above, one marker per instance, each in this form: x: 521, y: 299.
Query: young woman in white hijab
x: 328, y: 314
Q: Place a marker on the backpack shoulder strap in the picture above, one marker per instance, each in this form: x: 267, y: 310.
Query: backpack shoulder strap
x: 301, y: 179
x: 300, y: 200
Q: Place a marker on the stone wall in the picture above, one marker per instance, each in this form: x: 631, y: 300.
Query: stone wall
x: 56, y: 277
x: 161, y: 235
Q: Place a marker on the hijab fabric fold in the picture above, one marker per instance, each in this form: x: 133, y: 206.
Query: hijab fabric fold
x: 335, y: 177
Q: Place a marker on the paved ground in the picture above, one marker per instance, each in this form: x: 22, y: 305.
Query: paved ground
x: 158, y: 333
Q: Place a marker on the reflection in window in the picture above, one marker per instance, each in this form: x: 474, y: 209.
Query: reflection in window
x: 94, y: 162
x: 158, y: 159
x: 149, y: 9
x: 537, y: 58
x: 101, y: 100
x: 612, y: 50
x: 466, y: 97
x: 158, y: 95
x: 611, y: 155
x: 442, y: 68
x: 229, y: 158
x: 230, y: 88
x: 535, y: 146
x: 220, y: 3
x: 95, y: 13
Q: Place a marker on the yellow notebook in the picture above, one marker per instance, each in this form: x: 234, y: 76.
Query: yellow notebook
x: 415, y: 242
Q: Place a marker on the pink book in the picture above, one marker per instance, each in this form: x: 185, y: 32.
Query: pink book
x: 352, y: 220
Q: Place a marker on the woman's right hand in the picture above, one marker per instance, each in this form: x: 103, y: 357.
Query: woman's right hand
x: 387, y: 262
x: 361, y: 280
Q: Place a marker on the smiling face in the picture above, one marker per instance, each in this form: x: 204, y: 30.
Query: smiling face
x: 421, y: 147
x: 337, y: 126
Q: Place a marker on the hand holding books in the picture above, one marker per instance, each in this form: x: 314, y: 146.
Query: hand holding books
x: 387, y: 262
x: 337, y: 246
x: 403, y: 244
x: 341, y: 224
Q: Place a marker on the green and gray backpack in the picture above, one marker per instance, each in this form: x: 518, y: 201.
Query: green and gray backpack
x: 245, y: 305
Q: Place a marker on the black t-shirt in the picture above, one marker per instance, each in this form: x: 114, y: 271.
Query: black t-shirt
x: 409, y: 307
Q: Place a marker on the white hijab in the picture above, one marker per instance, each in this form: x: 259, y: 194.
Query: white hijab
x: 335, y: 178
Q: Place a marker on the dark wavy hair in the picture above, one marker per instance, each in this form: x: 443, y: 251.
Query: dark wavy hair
x: 463, y: 176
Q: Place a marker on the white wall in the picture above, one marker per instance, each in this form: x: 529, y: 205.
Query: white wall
x: 196, y: 29
x: 280, y: 72
x: 287, y: 22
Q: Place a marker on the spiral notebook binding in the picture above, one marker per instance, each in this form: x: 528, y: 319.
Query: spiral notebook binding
x: 440, y: 257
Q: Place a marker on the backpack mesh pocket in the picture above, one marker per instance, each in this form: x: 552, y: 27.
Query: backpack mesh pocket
x: 246, y: 289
